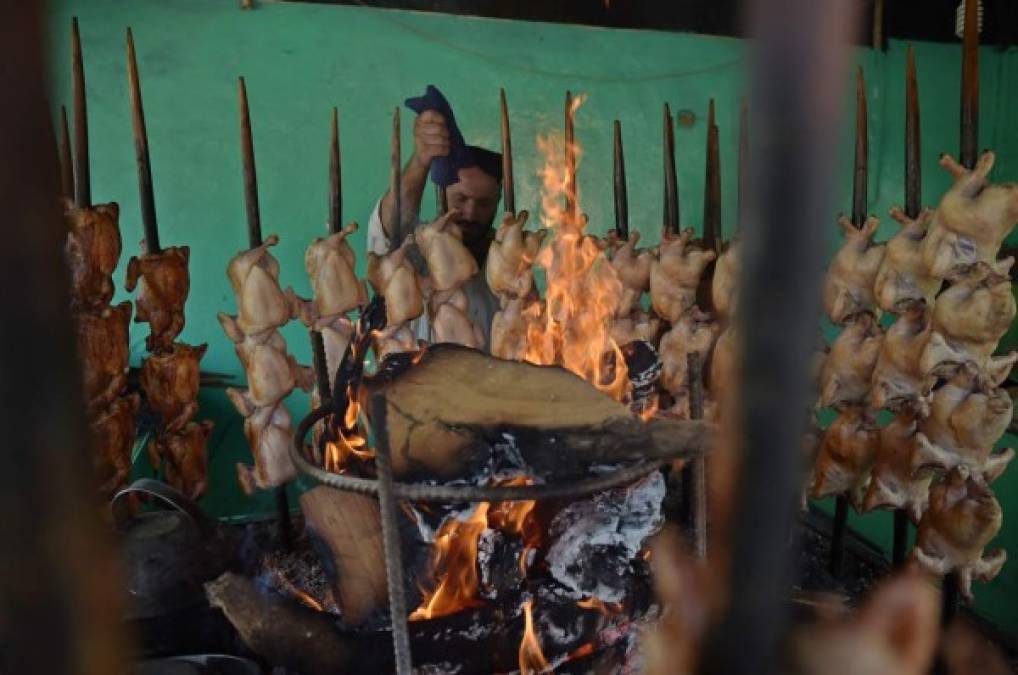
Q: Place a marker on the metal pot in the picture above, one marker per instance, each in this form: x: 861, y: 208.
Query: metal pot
x: 167, y: 554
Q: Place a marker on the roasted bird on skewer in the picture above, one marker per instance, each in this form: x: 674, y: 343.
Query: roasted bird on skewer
x: 848, y: 369
x: 848, y: 287
x: 675, y: 274
x: 183, y: 457
x: 163, y: 284
x: 102, y: 337
x: 170, y: 381
x: 847, y: 453
x: 903, y: 277
x: 92, y: 251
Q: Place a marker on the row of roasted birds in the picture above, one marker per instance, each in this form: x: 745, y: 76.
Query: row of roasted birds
x: 939, y: 335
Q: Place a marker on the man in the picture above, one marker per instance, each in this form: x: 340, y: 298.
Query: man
x: 473, y: 201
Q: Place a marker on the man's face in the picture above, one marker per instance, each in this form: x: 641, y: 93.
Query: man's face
x: 476, y: 197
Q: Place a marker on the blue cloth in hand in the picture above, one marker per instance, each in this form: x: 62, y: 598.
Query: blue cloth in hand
x: 444, y: 170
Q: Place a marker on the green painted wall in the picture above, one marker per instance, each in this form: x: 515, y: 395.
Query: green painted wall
x: 299, y: 60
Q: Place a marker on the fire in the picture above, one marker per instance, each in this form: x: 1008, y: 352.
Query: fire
x: 339, y: 452
x: 455, y: 555
x: 597, y: 604
x: 531, y: 657
x: 571, y: 327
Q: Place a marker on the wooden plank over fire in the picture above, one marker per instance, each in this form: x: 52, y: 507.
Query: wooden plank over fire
x: 447, y: 402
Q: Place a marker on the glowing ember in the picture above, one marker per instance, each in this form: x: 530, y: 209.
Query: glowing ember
x: 571, y: 326
x: 532, y: 659
x: 605, y: 608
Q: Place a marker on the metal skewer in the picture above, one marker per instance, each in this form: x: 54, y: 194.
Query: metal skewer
x: 913, y: 203
x: 621, y: 191
x: 82, y: 179
x: 66, y: 161
x: 672, y: 221
x: 145, y: 191
x: 335, y: 179
x: 254, y: 235
x: 712, y: 235
x: 395, y: 180
x: 570, y: 158
x: 860, y: 175
x: 508, y: 182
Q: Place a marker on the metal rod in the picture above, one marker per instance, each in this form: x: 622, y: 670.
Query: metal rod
x: 860, y: 176
x: 621, y: 191
x: 913, y: 163
x: 82, y: 179
x: 145, y: 192
x: 743, y: 159
x: 899, y: 552
x: 390, y: 538
x: 335, y: 179
x: 441, y: 201
x: 712, y: 235
x: 671, y: 216
x: 508, y: 182
x: 698, y: 466
x: 800, y: 54
x: 395, y: 182
x: 570, y: 157
x: 318, y: 361
x: 254, y: 219
x: 66, y: 161
x: 970, y: 86
x: 837, y: 560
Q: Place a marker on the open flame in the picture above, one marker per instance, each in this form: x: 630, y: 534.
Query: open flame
x: 571, y: 327
x: 349, y: 442
x: 532, y: 659
x: 454, y: 561
x: 597, y: 604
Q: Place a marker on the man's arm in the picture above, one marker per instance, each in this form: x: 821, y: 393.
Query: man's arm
x: 431, y: 139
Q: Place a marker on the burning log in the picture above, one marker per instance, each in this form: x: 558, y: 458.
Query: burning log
x: 346, y: 526
x: 448, y: 406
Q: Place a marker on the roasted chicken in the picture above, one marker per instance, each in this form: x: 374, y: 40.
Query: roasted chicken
x: 509, y: 329
x: 895, y: 483
x: 393, y: 276
x: 848, y: 287
x: 450, y: 263
x: 903, y: 277
x: 184, y: 457
x: 162, y: 292
x: 694, y: 333
x: 272, y: 372
x: 898, y: 377
x: 92, y: 251
x: 269, y: 434
x: 452, y: 324
x: 637, y: 325
x: 675, y: 274
x: 725, y: 283
x: 170, y: 381
x: 962, y: 422
x: 847, y: 452
x: 972, y: 221
x: 103, y: 351
x: 261, y: 304
x: 509, y: 268
x: 962, y: 517
x: 330, y: 264
x: 971, y: 316
x: 112, y: 431
x: 632, y: 267
x: 848, y: 369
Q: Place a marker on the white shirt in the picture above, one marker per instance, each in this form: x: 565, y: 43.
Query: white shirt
x: 482, y: 302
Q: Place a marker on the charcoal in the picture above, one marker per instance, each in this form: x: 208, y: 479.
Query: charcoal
x: 644, y: 367
x: 596, y: 540
x: 498, y: 558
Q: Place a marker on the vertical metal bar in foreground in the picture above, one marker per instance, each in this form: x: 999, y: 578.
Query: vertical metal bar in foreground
x: 55, y: 585
x: 146, y: 193
x: 698, y: 469
x: 619, y: 179
x: 82, y: 178
x: 799, y: 60
x: 390, y: 538
x: 672, y: 220
x: 508, y: 181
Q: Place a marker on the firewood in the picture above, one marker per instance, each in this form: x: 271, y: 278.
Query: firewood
x: 346, y: 530
x: 447, y: 406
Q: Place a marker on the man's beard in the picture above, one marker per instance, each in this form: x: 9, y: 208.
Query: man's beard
x: 476, y: 237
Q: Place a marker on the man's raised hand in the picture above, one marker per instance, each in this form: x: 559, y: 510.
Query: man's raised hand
x: 431, y: 138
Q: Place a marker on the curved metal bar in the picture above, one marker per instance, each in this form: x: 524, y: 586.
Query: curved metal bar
x: 454, y: 494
